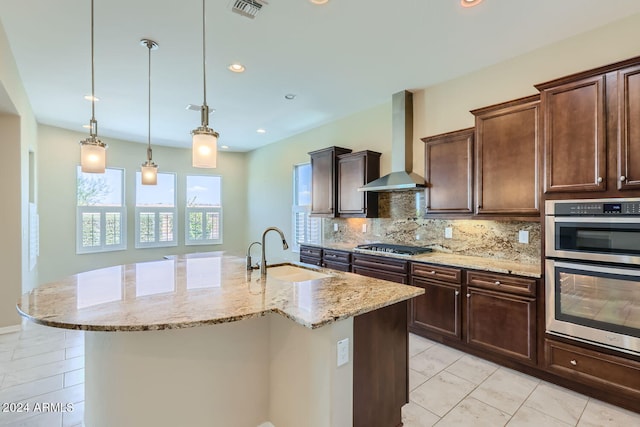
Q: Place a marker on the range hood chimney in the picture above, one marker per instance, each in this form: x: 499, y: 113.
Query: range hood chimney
x: 401, y: 177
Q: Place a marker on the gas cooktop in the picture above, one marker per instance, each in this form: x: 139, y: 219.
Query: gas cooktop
x: 394, y: 249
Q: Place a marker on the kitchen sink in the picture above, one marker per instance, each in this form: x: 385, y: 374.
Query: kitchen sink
x: 291, y: 273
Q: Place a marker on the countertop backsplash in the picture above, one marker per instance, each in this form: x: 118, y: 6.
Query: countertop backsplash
x: 402, y: 222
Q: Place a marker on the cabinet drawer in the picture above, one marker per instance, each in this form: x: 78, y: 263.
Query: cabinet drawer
x: 330, y: 255
x: 502, y: 282
x: 612, y: 372
x: 380, y: 274
x: 381, y: 263
x: 310, y: 251
x: 428, y: 271
x: 311, y: 260
x: 340, y: 266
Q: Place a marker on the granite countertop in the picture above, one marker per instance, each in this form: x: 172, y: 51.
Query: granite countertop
x: 494, y: 265
x: 189, y: 291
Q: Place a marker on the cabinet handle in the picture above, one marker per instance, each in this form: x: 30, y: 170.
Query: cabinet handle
x: 497, y: 282
x: 573, y: 362
x: 468, y: 295
x: 432, y: 272
x: 457, y: 293
x: 599, y: 179
x: 623, y: 178
x: 479, y: 206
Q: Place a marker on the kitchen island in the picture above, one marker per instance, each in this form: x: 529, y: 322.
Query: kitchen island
x: 200, y: 341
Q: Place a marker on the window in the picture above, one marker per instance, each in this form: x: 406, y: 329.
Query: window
x: 101, y: 214
x: 156, y: 213
x: 203, y: 225
x: 306, y: 229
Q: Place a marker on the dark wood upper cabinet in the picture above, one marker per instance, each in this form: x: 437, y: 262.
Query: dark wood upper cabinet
x: 324, y: 182
x: 354, y: 171
x: 628, y: 146
x: 507, y: 152
x: 575, y: 135
x: 449, y: 172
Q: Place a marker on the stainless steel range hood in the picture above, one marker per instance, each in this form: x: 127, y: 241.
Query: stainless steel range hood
x: 401, y: 177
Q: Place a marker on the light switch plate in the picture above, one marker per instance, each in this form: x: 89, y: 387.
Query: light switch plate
x: 343, y: 352
x: 335, y: 227
x: 523, y: 236
x: 448, y: 233
x: 364, y: 228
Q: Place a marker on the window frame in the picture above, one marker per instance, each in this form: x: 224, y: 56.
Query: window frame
x: 216, y: 210
x: 157, y: 211
x: 297, y: 209
x: 102, y: 211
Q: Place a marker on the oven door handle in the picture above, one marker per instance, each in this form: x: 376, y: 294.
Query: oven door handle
x: 594, y: 268
x: 597, y: 219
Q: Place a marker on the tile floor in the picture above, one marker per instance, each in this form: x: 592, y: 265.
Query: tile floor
x: 448, y: 388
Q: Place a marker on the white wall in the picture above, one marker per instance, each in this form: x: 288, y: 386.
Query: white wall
x: 57, y: 183
x: 17, y: 136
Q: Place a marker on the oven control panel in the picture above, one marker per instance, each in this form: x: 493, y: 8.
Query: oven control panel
x: 596, y: 208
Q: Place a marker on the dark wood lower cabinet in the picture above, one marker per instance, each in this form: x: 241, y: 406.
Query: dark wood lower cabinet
x: 438, y: 310
x: 611, y: 374
x: 380, y: 366
x: 502, y: 323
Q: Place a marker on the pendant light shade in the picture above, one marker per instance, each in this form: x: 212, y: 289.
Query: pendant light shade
x: 149, y: 170
x: 93, y: 155
x: 205, y: 140
x: 149, y: 174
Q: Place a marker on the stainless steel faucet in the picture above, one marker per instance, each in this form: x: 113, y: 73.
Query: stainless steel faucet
x: 263, y: 264
x: 249, y: 266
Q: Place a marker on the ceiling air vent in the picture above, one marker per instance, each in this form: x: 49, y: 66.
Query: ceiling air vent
x: 248, y: 8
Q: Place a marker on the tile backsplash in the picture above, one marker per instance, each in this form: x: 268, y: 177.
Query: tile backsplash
x: 402, y: 222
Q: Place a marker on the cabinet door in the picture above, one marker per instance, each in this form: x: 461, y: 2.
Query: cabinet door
x: 628, y: 176
x: 354, y: 171
x: 574, y: 133
x: 507, y: 153
x: 322, y: 183
x: 438, y: 310
x: 502, y: 323
x: 449, y: 172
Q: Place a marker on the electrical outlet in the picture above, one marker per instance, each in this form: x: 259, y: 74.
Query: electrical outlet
x: 523, y: 237
x: 448, y: 233
x: 364, y: 227
x: 343, y: 352
x: 335, y: 227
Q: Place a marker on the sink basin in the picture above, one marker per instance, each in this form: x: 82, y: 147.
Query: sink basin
x: 291, y: 273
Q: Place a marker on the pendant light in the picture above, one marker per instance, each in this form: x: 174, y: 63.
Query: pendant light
x: 205, y: 139
x: 149, y: 169
x: 92, y: 150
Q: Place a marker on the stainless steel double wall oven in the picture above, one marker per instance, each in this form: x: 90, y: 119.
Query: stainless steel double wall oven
x: 592, y: 270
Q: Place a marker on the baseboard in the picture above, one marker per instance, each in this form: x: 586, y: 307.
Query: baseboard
x: 10, y: 329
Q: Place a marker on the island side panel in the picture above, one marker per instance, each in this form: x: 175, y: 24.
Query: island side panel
x: 381, y: 366
x: 307, y: 388
x: 198, y: 377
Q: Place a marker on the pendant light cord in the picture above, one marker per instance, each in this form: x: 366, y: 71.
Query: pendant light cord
x: 93, y: 125
x: 204, y: 55
x: 149, y: 46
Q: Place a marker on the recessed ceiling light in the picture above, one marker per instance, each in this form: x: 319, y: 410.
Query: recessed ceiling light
x: 319, y: 1
x: 470, y: 3
x: 289, y: 96
x: 236, y: 68
x: 91, y: 98
x: 224, y: 147
x: 261, y: 130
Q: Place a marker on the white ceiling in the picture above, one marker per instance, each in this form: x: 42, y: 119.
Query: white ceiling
x: 340, y: 58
